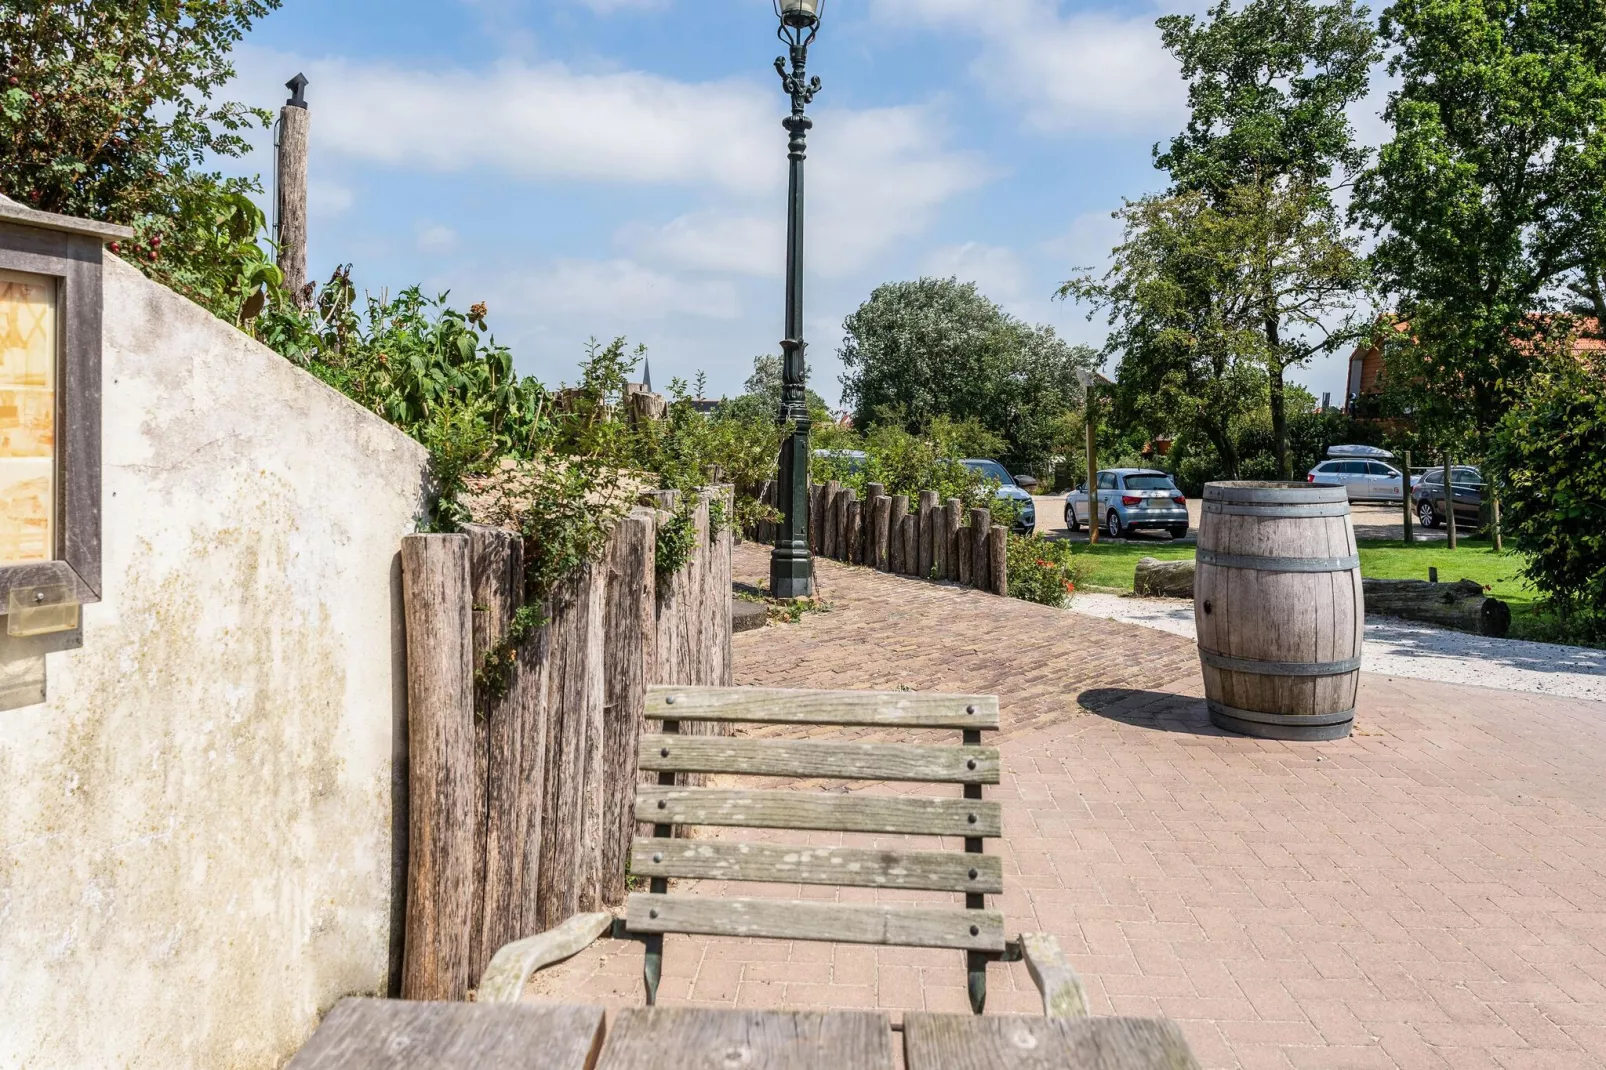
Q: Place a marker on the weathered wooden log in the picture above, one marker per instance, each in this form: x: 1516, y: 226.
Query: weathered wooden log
x: 855, y: 531
x: 628, y: 659
x: 828, y: 527
x: 816, y: 517
x: 879, y: 554
x: 719, y: 664
x: 928, y: 532
x: 953, y: 513
x: 1464, y: 606
x: 998, y: 560
x: 1164, y: 579
x: 570, y: 874
x: 873, y: 491
x: 511, y: 726
x: 911, y: 544
x: 443, y: 902
x: 981, y: 525
x: 964, y: 557
x: 900, y: 510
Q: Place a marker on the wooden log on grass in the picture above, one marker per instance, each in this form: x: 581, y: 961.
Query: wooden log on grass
x: 928, y: 533
x: 1464, y: 606
x: 981, y: 526
x: 1164, y: 579
x: 998, y: 560
x: 952, y: 514
x: 900, y: 511
x: 444, y: 806
x: 878, y: 550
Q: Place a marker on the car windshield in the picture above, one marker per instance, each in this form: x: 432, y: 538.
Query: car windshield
x: 1148, y: 481
x: 991, y: 470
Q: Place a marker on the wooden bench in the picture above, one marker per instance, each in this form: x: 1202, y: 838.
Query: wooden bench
x: 975, y: 930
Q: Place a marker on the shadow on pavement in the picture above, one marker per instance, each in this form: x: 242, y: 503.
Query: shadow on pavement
x: 1405, y: 639
x: 1159, y: 710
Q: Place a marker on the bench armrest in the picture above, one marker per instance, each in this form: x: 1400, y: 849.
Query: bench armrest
x: 513, y: 963
x: 1061, y: 988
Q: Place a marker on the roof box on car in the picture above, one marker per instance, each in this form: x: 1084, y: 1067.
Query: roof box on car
x: 1372, y: 452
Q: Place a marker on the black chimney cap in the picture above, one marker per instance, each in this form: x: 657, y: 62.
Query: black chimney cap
x: 297, y: 87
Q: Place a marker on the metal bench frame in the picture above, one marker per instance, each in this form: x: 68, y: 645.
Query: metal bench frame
x: 650, y: 915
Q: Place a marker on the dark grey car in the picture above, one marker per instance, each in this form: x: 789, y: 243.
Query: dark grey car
x: 1466, y: 484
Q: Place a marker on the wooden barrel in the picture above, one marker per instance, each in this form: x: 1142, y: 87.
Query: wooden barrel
x: 1278, y: 606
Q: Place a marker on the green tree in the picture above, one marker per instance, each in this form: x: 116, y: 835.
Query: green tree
x: 1269, y: 138
x: 107, y: 112
x: 917, y: 351
x: 1489, y: 197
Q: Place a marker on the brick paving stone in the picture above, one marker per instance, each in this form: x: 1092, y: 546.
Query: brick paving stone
x: 1427, y: 894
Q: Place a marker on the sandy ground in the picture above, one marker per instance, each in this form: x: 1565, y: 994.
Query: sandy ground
x: 1417, y: 651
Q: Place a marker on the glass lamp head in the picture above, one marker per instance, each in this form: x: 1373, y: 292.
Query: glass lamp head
x: 799, y: 14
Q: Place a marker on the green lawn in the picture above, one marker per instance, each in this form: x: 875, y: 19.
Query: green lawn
x: 1110, y: 566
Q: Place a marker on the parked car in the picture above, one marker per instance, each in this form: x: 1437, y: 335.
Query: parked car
x: 1427, y: 497
x: 1365, y: 481
x: 854, y: 460
x: 1008, y: 490
x: 1131, y: 499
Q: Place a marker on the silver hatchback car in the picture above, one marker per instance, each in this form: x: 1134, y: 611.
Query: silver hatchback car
x: 1364, y: 480
x: 1131, y: 499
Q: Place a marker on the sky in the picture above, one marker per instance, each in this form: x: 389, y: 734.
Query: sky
x: 604, y: 168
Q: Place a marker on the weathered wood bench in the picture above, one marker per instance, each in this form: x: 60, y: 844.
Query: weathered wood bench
x: 974, y: 929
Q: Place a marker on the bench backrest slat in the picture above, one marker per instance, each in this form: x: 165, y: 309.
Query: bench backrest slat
x: 891, y: 814
x: 849, y: 867
x: 897, y: 709
x: 786, y: 919
x: 835, y: 761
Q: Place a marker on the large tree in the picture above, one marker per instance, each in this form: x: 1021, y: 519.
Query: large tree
x: 1489, y: 197
x: 917, y: 351
x: 1268, y: 137
x: 107, y: 112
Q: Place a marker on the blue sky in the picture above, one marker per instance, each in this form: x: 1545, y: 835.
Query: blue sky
x: 617, y: 167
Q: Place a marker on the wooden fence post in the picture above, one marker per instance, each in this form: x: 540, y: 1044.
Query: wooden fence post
x: 900, y: 510
x: 880, y: 524
x: 629, y: 658
x: 832, y: 520
x: 981, y: 525
x: 714, y: 567
x: 570, y: 875
x: 855, y: 530
x: 928, y: 533
x: 951, y: 514
x: 911, y: 544
x: 816, y: 518
x: 291, y: 175
x: 998, y: 563
x: 965, y: 556
x: 444, y: 809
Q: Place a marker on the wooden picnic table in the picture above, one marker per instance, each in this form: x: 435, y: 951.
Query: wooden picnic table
x: 372, y: 1034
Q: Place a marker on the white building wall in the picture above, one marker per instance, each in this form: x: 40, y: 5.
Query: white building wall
x: 196, y: 827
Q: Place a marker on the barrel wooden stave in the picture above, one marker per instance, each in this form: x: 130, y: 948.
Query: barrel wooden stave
x: 1296, y: 618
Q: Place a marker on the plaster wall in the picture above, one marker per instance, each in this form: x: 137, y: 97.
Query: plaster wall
x: 198, y: 825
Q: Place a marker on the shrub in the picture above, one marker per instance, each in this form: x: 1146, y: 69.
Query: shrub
x: 1549, y: 455
x: 1042, y: 570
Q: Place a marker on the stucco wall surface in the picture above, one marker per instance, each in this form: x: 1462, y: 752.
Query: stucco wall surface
x: 195, y: 827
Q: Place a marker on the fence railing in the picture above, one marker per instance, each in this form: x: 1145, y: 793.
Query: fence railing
x: 520, y: 797
x: 924, y: 537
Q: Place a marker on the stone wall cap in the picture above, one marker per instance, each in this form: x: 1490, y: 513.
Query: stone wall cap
x: 12, y: 212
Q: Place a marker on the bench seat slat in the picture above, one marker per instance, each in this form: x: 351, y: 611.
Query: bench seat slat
x: 892, y: 814
x: 787, y: 919
x: 931, y: 871
x: 902, y: 709
x: 798, y: 758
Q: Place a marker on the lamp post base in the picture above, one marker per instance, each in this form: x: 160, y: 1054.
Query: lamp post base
x: 791, y: 574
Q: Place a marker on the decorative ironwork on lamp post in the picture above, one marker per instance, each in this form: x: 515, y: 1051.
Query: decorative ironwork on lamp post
x: 791, y: 563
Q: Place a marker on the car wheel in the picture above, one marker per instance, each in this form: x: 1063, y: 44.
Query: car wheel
x: 1426, y: 516
x: 1113, y: 525
x: 1180, y: 531
x: 1071, y: 523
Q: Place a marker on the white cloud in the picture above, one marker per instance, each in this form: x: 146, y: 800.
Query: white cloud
x: 1086, y: 71
x: 1087, y: 243
x: 713, y: 241
x: 435, y: 238
x: 618, y: 291
x: 997, y: 272
x: 327, y: 199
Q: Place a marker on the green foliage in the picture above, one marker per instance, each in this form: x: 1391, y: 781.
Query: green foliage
x: 906, y: 463
x: 917, y: 351
x: 107, y: 112
x: 1046, y: 571
x: 1550, y: 455
x: 1490, y: 196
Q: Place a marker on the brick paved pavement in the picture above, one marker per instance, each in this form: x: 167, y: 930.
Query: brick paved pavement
x: 1426, y: 894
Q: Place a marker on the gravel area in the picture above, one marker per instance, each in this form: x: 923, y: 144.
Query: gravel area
x: 1417, y: 651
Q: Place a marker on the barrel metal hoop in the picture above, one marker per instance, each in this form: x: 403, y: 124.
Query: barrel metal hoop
x: 1302, y: 494
x: 1278, y: 668
x: 1279, y: 564
x: 1290, y: 512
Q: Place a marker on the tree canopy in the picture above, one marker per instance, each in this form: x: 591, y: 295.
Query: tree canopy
x: 917, y: 351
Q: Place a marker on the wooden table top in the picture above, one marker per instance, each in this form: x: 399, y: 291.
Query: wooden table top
x: 371, y: 1034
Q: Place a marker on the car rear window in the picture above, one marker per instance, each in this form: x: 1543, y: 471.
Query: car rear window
x: 1152, y: 481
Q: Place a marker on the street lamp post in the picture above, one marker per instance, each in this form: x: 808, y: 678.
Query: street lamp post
x: 791, y: 563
